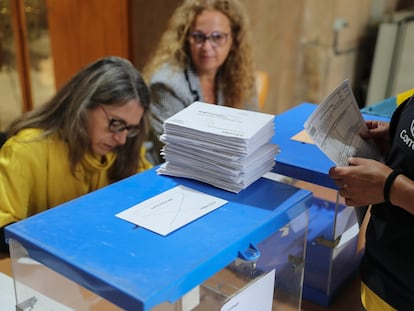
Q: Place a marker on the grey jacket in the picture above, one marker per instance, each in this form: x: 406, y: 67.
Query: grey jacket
x: 171, y: 91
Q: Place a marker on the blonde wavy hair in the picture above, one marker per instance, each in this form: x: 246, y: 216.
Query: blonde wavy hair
x: 237, y: 75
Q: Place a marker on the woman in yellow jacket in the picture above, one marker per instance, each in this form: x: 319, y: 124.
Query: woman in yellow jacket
x: 90, y: 134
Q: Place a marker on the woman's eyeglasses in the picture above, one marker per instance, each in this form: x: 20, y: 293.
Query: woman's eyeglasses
x: 216, y: 38
x: 119, y: 125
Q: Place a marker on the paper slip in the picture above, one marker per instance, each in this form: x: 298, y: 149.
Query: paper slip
x: 171, y: 209
x: 220, y: 120
x: 335, y: 127
x: 258, y: 296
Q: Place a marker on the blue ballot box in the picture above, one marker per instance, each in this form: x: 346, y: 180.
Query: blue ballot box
x: 80, y: 256
x: 297, y: 158
x: 332, y: 256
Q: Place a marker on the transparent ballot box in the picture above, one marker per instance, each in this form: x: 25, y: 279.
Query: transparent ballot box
x: 79, y: 256
x: 332, y: 252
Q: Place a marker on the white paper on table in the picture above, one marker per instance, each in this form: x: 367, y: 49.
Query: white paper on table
x: 335, y: 126
x: 172, y: 209
x: 258, y: 296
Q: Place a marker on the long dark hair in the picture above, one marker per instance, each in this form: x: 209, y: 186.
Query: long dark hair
x: 108, y: 81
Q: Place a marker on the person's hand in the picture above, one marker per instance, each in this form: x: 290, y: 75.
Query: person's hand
x: 362, y: 182
x: 378, y: 131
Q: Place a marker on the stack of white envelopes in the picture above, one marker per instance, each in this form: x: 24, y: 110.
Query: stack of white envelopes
x: 226, y: 147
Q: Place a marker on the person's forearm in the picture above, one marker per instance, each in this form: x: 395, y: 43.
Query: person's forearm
x: 402, y: 193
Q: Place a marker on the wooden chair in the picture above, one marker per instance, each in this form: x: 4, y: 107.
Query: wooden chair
x: 262, y: 87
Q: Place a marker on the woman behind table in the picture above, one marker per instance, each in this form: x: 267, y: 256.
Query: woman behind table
x: 87, y: 136
x: 204, y: 55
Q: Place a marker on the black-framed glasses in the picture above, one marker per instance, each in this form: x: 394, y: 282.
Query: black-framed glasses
x: 216, y: 38
x: 119, y: 125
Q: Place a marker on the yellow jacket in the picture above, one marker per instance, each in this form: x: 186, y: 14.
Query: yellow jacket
x: 35, y: 175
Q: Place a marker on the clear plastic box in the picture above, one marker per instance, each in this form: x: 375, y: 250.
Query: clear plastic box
x: 37, y: 287
x: 333, y: 248
x: 60, y: 262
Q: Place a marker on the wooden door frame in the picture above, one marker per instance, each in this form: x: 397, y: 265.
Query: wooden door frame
x: 22, y: 52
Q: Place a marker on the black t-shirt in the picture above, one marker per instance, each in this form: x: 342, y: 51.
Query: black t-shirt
x: 388, y: 264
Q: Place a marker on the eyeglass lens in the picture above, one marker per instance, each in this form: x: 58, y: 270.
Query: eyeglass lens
x: 216, y: 38
x: 118, y: 125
